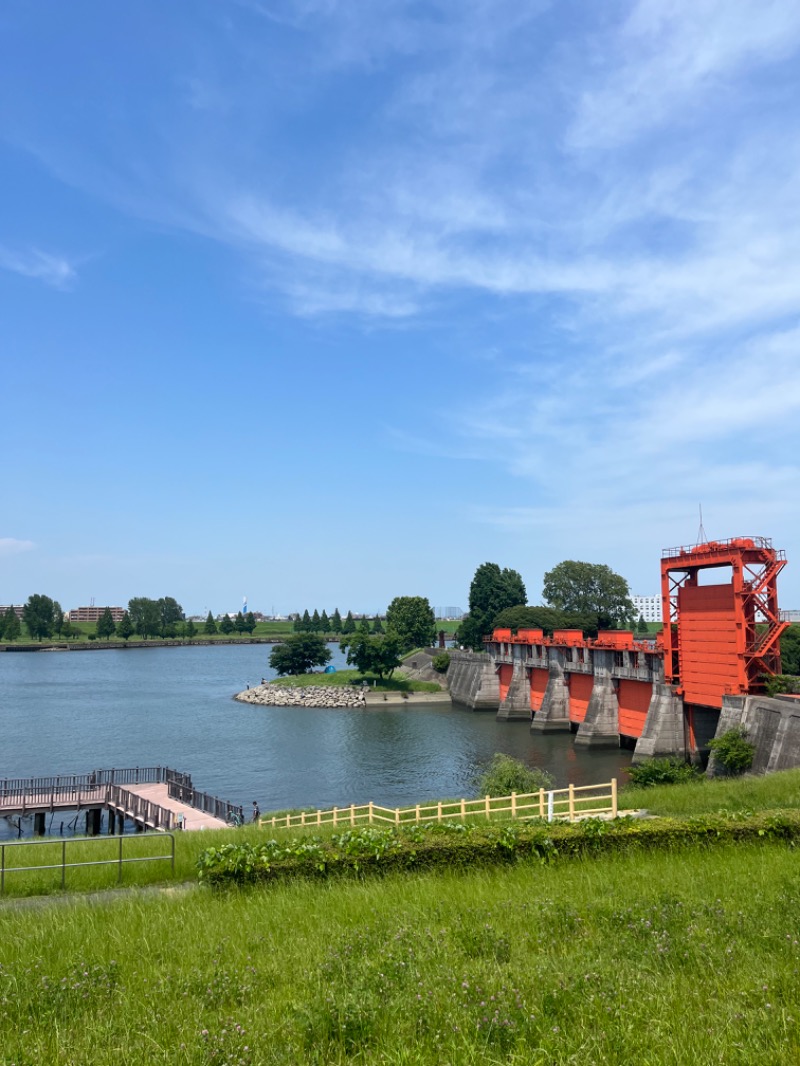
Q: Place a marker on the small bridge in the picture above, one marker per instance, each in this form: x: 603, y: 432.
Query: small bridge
x: 154, y: 797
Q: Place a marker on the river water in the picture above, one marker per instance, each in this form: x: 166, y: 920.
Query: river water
x: 71, y: 712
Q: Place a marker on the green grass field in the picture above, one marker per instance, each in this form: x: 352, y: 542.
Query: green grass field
x: 687, y: 956
x: 704, y: 796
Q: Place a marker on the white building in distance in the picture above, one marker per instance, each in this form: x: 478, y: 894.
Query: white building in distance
x: 647, y: 607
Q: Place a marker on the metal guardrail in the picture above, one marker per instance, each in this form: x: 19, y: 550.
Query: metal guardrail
x: 203, y: 801
x: 764, y: 543
x: 63, y: 866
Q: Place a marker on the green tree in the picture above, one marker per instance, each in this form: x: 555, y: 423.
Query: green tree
x: 67, y: 630
x: 125, y: 627
x: 190, y: 632
x: 324, y: 622
x: 545, y: 618
x: 58, y: 618
x: 316, y: 623
x: 589, y: 588
x: 492, y: 590
x: 377, y: 625
x: 370, y: 654
x: 305, y: 623
x: 105, y: 624
x: 336, y: 621
x: 790, y: 650
x: 239, y: 623
x: 413, y: 620
x: 250, y: 623
x: 170, y: 613
x: 210, y: 626
x: 226, y: 625
x: 299, y: 654
x: 12, y: 626
x: 145, y: 616
x: 37, y: 614
x: 641, y: 625
x: 349, y: 625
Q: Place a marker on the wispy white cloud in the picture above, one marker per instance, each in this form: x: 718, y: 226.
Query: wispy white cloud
x: 55, y: 270
x: 13, y: 546
x: 668, y: 58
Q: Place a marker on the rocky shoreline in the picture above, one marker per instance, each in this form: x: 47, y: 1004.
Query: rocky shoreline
x: 271, y: 695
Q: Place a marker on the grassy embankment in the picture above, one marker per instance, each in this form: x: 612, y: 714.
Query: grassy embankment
x: 736, y: 796
x: 685, y: 956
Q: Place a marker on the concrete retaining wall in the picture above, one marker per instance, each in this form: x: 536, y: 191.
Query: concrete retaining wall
x: 472, y: 681
x: 772, y: 725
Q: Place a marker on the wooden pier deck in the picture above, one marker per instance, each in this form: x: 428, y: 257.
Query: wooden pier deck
x: 151, y: 797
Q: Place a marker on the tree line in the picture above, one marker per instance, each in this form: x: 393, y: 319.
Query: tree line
x: 577, y: 595
x: 321, y: 623
x: 410, y: 624
x: 146, y: 618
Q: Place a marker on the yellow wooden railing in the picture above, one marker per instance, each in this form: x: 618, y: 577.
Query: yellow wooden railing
x: 571, y: 803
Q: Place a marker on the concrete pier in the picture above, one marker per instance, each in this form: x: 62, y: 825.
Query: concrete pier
x: 553, y: 716
x: 600, y: 727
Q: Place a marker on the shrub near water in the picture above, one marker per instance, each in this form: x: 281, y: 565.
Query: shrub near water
x: 733, y: 750
x: 668, y: 771
x: 505, y: 775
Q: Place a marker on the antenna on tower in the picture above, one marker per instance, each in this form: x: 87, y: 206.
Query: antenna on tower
x: 701, y: 533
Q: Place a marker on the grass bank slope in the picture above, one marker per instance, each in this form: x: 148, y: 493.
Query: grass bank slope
x: 688, y: 956
x: 707, y: 796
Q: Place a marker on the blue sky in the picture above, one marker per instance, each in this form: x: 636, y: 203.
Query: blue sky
x: 324, y: 302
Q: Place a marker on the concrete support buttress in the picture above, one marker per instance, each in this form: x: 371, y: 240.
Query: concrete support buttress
x: 472, y: 680
x: 93, y: 817
x: 663, y: 732
x: 600, y: 728
x: 39, y: 824
x: 553, y: 716
x: 517, y: 704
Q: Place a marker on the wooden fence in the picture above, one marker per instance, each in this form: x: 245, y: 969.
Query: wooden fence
x: 572, y: 803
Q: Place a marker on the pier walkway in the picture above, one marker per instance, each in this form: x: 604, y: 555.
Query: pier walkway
x: 154, y: 797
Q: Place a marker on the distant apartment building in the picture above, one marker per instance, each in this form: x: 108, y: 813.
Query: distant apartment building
x: 647, y: 607
x: 94, y: 614
x: 17, y: 610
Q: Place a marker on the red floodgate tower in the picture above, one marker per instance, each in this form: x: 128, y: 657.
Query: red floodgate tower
x: 721, y: 639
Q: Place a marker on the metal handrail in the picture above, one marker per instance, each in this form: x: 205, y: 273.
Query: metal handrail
x: 758, y: 542
x: 119, y: 861
x: 204, y: 801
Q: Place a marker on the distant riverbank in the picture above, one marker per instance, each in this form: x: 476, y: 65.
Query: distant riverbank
x: 123, y: 645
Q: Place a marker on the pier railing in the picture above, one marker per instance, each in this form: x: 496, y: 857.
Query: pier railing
x: 571, y: 803
x: 204, y: 801
x: 140, y: 809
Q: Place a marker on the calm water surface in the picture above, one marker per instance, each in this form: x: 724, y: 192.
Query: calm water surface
x: 70, y: 712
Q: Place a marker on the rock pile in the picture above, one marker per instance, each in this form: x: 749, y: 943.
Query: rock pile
x: 272, y: 695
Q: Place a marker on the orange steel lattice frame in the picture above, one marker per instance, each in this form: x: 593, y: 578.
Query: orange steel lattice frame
x: 735, y: 628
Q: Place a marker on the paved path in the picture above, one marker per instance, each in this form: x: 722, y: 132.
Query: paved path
x: 194, y: 819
